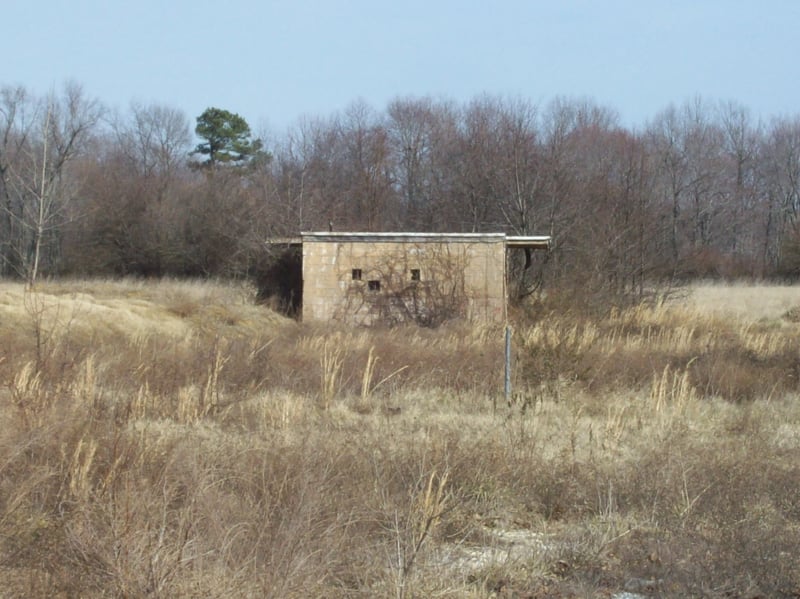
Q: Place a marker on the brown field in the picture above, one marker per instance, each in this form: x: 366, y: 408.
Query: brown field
x: 174, y: 439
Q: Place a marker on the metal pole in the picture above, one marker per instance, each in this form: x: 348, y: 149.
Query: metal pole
x: 508, y: 365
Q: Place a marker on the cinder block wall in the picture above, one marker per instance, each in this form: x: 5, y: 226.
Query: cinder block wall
x: 419, y: 277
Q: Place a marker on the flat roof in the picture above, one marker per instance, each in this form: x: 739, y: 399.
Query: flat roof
x: 533, y: 242
x: 536, y: 242
x: 402, y: 236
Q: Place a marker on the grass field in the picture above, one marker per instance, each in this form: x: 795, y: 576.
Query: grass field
x: 174, y: 439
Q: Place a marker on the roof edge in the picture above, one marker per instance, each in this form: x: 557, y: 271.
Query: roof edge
x: 537, y: 242
x: 533, y: 242
x: 402, y: 237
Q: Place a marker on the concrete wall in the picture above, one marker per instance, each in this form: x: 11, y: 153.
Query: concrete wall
x: 425, y: 280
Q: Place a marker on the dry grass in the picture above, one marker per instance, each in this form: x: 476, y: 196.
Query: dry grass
x: 173, y: 439
x: 746, y: 302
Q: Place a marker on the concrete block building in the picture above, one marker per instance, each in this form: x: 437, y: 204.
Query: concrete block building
x: 391, y: 278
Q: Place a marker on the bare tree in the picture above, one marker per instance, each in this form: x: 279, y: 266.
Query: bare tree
x: 477, y: 164
x: 422, y: 134
x: 155, y: 139
x: 367, y: 167
x: 38, y: 187
x: 747, y: 218
x: 133, y: 194
x: 782, y: 169
x: 565, y: 170
x: 309, y: 180
x: 14, y: 129
x: 154, y: 142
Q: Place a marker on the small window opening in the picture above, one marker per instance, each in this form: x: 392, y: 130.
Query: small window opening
x: 356, y: 274
x: 374, y: 285
x: 415, y: 276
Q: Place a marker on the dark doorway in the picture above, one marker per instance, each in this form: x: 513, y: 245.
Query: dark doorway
x: 281, y: 282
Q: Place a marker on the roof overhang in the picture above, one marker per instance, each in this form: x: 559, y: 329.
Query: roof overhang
x: 404, y: 237
x: 533, y: 242
x: 285, y: 241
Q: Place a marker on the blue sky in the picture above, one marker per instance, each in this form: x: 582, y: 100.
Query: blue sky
x: 274, y: 62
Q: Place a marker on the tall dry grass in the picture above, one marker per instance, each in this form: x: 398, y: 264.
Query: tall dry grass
x: 174, y: 439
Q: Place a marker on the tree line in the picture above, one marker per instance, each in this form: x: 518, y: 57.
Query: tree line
x: 701, y: 190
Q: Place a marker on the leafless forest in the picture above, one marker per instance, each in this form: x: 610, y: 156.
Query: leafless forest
x: 701, y: 189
